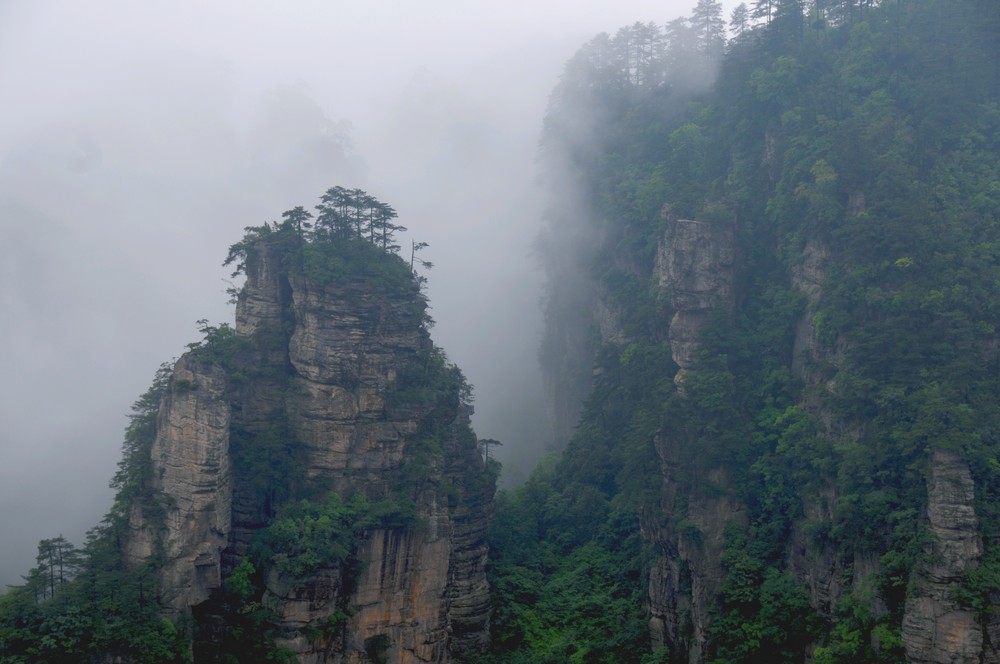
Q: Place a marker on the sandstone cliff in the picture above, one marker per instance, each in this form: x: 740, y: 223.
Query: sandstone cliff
x: 329, y: 382
x: 937, y: 628
x: 193, y: 474
x: 694, y: 268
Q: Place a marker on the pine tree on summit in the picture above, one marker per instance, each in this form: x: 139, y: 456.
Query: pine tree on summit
x: 333, y: 221
x: 383, y: 230
x: 355, y: 214
x: 297, y: 219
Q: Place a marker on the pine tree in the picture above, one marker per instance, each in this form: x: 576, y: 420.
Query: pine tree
x: 333, y: 220
x: 57, y: 563
x: 297, y: 219
x: 762, y: 10
x: 710, y: 29
x: 739, y: 20
x: 681, y: 45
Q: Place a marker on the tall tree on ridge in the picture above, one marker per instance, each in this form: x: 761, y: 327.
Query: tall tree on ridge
x: 333, y: 219
x: 762, y: 9
x: 739, y: 20
x: 682, y: 45
x: 297, y: 219
x: 710, y: 29
x: 58, y: 562
x: 383, y: 229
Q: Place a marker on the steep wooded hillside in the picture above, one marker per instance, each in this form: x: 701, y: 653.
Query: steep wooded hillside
x: 780, y: 298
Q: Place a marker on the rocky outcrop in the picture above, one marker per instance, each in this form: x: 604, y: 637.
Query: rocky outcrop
x: 820, y: 567
x: 421, y: 596
x: 192, y: 469
x: 687, y: 572
x: 937, y: 629
x: 694, y: 265
x: 335, y: 370
x: 694, y: 268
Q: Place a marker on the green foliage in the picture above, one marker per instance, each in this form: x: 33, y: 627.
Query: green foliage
x: 763, y: 615
x: 85, y: 604
x: 352, y: 240
x: 857, y: 637
x: 431, y: 379
x: 567, y: 588
x: 376, y: 647
x: 88, y: 604
x: 860, y: 134
x: 136, y: 465
x: 307, y: 536
x: 250, y: 631
x: 329, y: 263
x: 302, y: 539
x: 221, y: 346
x: 981, y: 586
x: 103, y: 609
x: 239, y: 583
x: 868, y: 131
x: 269, y: 463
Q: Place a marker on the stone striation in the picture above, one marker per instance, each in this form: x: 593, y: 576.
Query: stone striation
x: 192, y: 468
x: 326, y: 361
x: 936, y: 628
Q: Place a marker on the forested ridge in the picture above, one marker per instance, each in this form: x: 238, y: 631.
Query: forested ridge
x: 759, y: 487
x: 849, y: 149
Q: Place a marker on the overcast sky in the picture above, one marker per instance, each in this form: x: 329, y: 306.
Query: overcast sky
x: 139, y: 138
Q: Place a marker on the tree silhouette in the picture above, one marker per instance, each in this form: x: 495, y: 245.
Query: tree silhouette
x: 484, y: 447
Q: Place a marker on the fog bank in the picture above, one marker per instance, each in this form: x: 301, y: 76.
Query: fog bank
x: 140, y: 138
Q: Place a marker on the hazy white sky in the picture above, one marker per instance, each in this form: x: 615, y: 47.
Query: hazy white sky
x: 139, y: 138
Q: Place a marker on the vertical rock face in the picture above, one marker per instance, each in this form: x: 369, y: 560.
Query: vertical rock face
x: 328, y: 363
x: 687, y: 572
x: 346, y: 351
x: 694, y: 264
x: 191, y: 465
x: 936, y: 628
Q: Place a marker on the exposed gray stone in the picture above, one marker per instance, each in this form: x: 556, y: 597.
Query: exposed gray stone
x: 694, y: 266
x: 192, y: 474
x: 936, y: 628
x: 326, y: 359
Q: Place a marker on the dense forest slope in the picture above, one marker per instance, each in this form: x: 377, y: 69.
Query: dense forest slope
x: 772, y: 348
x: 303, y: 487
